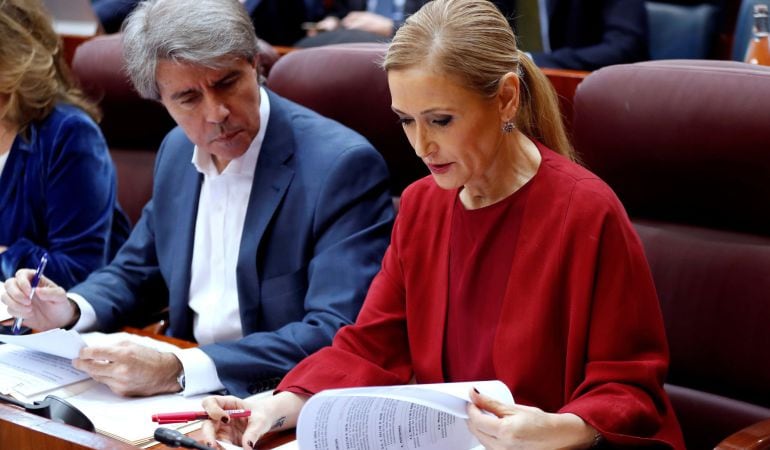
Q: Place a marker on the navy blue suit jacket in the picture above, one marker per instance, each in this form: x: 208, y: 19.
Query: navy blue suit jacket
x: 589, y: 34
x: 316, y: 228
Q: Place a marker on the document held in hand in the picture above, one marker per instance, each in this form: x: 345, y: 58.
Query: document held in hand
x: 414, y: 416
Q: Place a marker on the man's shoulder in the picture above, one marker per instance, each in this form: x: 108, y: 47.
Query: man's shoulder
x: 177, y: 139
x: 315, y: 132
x: 176, y: 146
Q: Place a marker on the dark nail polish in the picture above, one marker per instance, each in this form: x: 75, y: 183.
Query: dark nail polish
x: 476, y: 391
x: 251, y: 444
x: 225, y: 419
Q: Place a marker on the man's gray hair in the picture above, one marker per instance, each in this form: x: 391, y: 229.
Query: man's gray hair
x: 199, y: 32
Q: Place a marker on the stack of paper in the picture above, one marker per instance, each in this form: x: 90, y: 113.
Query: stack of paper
x: 36, y: 365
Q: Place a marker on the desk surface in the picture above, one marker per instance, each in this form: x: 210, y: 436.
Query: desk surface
x: 21, y: 430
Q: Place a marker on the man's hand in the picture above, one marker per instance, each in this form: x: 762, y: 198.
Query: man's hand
x: 49, y: 309
x: 131, y: 369
x: 368, y: 21
x: 328, y: 23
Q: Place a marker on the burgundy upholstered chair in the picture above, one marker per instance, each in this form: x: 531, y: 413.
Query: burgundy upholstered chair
x: 134, y: 127
x: 345, y: 82
x: 686, y: 146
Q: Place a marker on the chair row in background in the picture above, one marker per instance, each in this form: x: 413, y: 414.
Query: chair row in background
x: 700, y: 29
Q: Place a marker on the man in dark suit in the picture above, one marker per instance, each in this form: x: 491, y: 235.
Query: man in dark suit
x: 278, y: 22
x: 360, y: 21
x: 579, y: 34
x: 266, y: 225
x: 568, y: 34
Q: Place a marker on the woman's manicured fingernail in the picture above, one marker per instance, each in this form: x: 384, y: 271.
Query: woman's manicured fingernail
x: 476, y: 391
x: 225, y: 419
x: 250, y: 444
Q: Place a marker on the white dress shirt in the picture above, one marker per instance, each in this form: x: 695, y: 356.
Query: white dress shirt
x: 3, y: 160
x: 222, y: 205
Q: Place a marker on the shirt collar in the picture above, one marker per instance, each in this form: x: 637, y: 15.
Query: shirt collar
x: 245, y: 164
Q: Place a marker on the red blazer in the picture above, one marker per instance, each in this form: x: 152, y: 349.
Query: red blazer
x: 580, y: 329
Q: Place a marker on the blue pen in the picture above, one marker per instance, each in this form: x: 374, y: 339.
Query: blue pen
x: 35, y: 281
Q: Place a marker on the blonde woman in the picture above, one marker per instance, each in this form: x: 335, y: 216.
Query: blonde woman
x: 509, y: 262
x: 57, y: 181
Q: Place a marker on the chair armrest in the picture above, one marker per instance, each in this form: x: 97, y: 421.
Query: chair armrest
x: 753, y: 437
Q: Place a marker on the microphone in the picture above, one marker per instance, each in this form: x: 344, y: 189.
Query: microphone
x: 173, y: 438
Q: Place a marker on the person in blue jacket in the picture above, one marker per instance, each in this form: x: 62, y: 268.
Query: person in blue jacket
x: 266, y: 225
x: 57, y: 181
x: 565, y: 34
x: 278, y: 22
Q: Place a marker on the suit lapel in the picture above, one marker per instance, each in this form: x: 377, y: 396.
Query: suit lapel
x: 184, y: 206
x: 272, y: 178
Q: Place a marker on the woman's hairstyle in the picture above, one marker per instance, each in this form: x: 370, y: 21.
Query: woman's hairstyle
x: 33, y: 72
x: 471, y: 40
x: 171, y: 29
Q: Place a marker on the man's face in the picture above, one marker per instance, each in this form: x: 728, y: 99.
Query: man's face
x: 218, y: 109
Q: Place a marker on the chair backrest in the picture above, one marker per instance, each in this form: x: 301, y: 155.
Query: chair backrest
x: 134, y: 127
x: 743, y: 27
x: 686, y: 146
x: 345, y: 82
x: 681, y: 31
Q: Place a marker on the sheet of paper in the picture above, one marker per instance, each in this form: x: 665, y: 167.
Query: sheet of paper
x: 98, y: 339
x: 407, y: 417
x: 64, y: 343
x: 31, y: 372
x: 129, y: 418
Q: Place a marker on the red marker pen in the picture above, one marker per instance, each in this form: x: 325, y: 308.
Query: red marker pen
x: 188, y: 416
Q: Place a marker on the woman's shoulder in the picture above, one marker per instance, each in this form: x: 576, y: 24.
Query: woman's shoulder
x: 577, y: 181
x: 67, y: 115
x: 63, y: 121
x: 69, y: 123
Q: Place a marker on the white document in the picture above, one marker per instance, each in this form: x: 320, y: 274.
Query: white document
x: 30, y: 372
x: 59, y: 342
x: 30, y: 375
x: 417, y: 416
x: 129, y: 419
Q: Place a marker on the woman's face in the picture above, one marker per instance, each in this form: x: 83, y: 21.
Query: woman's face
x: 455, y: 131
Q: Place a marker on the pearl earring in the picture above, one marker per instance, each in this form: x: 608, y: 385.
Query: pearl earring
x: 508, y: 127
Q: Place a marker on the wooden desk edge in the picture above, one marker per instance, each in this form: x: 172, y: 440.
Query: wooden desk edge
x: 22, y: 430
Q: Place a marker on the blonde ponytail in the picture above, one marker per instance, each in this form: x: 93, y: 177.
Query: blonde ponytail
x: 539, y: 116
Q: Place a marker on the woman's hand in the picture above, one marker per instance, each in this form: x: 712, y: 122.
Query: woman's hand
x: 525, y: 427
x: 279, y: 412
x: 50, y: 309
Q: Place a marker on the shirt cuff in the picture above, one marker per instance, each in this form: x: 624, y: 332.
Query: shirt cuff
x: 87, y: 321
x: 200, y: 374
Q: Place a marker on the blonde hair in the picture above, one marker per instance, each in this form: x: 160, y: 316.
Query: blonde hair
x: 472, y: 41
x: 33, y: 73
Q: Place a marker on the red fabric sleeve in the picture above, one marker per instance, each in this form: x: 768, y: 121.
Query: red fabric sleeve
x: 622, y: 392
